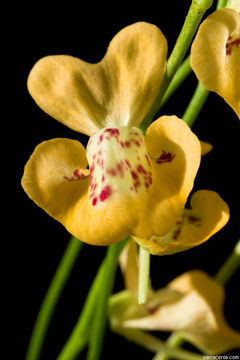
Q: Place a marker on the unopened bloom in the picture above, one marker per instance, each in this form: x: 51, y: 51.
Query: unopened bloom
x: 191, y: 305
x: 215, y: 55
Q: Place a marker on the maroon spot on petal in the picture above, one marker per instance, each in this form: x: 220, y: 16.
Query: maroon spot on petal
x: 134, y: 175
x: 105, y: 193
x: 141, y: 169
x: 194, y: 220
x: 112, y: 132
x: 127, y: 143
x: 111, y: 171
x: 165, y: 157
x: 77, y: 174
x: 148, y: 160
x: 120, y: 169
x: 94, y: 201
x: 177, y: 233
x: 230, y: 44
x: 128, y: 163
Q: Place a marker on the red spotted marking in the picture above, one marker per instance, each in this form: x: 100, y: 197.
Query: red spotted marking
x: 76, y: 176
x: 165, y: 157
x: 105, y: 193
x: 231, y: 43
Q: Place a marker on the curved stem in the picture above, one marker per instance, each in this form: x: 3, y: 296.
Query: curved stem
x: 100, y: 317
x: 174, y: 341
x: 181, y: 74
x: 153, y: 344
x: 196, y: 104
x: 193, y: 18
x: 221, y: 4
x: 229, y: 267
x: 52, y: 296
x: 81, y: 332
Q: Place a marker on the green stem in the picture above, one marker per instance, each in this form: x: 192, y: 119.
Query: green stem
x: 100, y: 319
x: 81, y: 332
x: 193, y: 18
x: 196, y: 104
x: 153, y: 344
x: 227, y: 270
x: 174, y: 341
x: 181, y: 74
x: 144, y: 269
x: 221, y: 4
x: 52, y: 296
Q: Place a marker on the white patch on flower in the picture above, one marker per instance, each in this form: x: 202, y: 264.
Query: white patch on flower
x: 118, y: 163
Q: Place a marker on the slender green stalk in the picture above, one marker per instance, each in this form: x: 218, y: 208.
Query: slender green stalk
x: 181, y: 74
x: 52, y: 296
x: 196, y: 104
x: 81, y: 332
x: 153, y: 344
x: 193, y: 18
x: 100, y: 317
x: 144, y: 270
x: 174, y: 341
x: 221, y: 4
x: 227, y: 270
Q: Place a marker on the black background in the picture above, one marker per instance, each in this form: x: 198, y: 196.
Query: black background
x: 37, y: 240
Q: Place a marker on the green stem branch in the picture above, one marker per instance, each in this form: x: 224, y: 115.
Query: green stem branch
x: 195, y: 105
x: 81, y: 332
x: 193, y: 18
x: 100, y: 319
x: 153, y: 344
x: 227, y: 270
x: 52, y: 296
x: 182, y: 73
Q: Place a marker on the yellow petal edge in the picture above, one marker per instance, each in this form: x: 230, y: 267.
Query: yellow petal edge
x: 119, y: 90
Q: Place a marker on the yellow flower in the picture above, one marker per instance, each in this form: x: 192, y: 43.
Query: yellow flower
x: 191, y: 305
x: 215, y: 55
x: 133, y: 184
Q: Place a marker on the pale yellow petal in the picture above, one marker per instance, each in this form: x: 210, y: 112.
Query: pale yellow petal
x: 119, y: 90
x: 234, y: 4
x: 130, y: 266
x: 197, y: 314
x: 215, y: 55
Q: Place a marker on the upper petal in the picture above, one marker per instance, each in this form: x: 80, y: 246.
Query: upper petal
x: 119, y: 90
x: 215, y: 55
